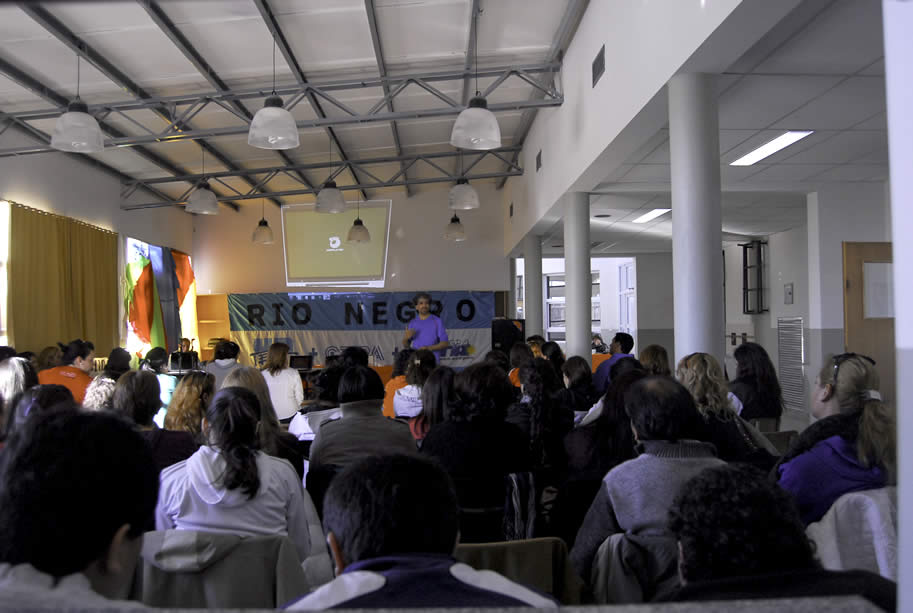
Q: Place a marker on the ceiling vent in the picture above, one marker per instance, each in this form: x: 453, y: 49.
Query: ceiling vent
x: 539, y: 160
x: 598, y: 65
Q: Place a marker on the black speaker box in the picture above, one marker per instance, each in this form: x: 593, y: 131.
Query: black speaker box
x: 506, y: 332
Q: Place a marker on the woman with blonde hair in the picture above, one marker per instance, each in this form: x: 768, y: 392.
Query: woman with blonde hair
x: 273, y: 441
x: 188, y: 404
x: 852, y: 447
x: 734, y: 439
x: 285, y: 389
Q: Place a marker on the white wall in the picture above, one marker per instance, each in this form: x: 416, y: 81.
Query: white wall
x: 225, y: 260
x: 60, y: 184
x: 655, y: 314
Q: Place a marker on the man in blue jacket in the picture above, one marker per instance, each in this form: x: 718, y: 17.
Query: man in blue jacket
x: 392, y: 523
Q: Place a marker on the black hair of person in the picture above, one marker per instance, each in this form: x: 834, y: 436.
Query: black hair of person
x: 62, y: 498
x: 498, y: 358
x: 421, y: 365
x: 553, y: 353
x: 661, y: 409
x: 118, y: 363
x: 360, y: 383
x: 226, y: 350
x: 16, y: 376
x: 625, y: 340
x: 354, y: 356
x: 731, y: 521
x: 392, y: 504
x: 137, y: 396
x: 156, y: 359
x: 233, y: 416
x: 401, y: 362
x: 578, y: 371
x: 481, y: 391
x: 755, y: 369
x: 75, y: 349
x: 613, y: 424
x: 420, y: 296
x: 437, y: 395
x: 37, y: 399
x: 521, y: 355
x: 536, y: 338
x: 625, y: 365
x: 7, y: 352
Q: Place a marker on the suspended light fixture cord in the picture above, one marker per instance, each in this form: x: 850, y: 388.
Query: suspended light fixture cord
x: 274, y: 67
x: 475, y: 19
x: 77, y: 76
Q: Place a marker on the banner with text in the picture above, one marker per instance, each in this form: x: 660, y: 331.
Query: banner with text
x: 323, y: 324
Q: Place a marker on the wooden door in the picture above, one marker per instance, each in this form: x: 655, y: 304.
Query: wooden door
x: 868, y: 308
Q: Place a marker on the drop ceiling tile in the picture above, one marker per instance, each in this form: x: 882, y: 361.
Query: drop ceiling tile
x: 647, y: 172
x: 843, y: 147
x: 851, y: 102
x: 851, y: 172
x: 787, y: 174
x: 757, y: 101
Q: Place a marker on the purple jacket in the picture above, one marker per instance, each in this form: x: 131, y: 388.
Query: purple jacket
x: 423, y: 580
x: 824, y: 473
x: 601, y: 376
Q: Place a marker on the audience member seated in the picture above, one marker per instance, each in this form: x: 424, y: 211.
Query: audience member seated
x: 397, y: 380
x: 156, y: 362
x: 184, y: 358
x: 740, y: 537
x: 273, y: 440
x: 392, y: 524
x: 618, y: 368
x: 578, y: 393
x: 479, y: 449
x: 851, y: 448
x: 37, y: 399
x: 286, y: 391
x: 734, y: 439
x: 307, y: 423
x: 354, y: 356
x: 188, y: 405
x: 16, y: 376
x: 622, y: 344
x: 756, y: 385
x: 7, y: 352
x: 655, y: 360
x: 77, y: 360
x: 137, y: 397
x: 437, y: 396
x: 592, y: 451
x: 520, y: 355
x: 71, y: 519
x: 499, y: 359
x: 535, y: 343
x: 49, y: 357
x: 598, y: 345
x: 229, y: 486
x: 225, y: 360
x: 635, y: 496
x: 31, y: 358
x: 407, y: 401
x: 363, y: 429
x: 101, y: 390
x: 552, y: 352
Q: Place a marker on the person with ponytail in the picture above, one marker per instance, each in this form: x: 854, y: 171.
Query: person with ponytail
x: 76, y: 362
x: 407, y: 401
x: 853, y: 446
x: 230, y: 486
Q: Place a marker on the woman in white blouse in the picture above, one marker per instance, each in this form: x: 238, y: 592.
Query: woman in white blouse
x: 284, y: 383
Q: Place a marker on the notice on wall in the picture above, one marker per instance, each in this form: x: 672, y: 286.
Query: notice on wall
x: 878, y: 281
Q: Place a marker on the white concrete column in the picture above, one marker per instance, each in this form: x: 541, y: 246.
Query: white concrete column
x: 577, y: 278
x: 532, y: 283
x: 697, y: 236
x: 511, y: 289
x: 898, y: 44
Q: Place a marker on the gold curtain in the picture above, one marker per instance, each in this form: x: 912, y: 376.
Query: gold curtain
x: 62, y: 281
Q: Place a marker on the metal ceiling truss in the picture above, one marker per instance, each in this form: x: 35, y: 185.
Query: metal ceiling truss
x: 63, y: 34
x: 187, y: 106
x: 569, y: 22
x: 336, y: 168
x: 279, y: 38
x: 474, y: 10
x: 371, y: 11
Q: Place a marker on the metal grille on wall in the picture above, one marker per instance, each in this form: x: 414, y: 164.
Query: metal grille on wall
x: 791, y: 352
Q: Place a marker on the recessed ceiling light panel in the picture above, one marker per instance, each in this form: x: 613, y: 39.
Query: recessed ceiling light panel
x: 651, y: 215
x: 768, y: 149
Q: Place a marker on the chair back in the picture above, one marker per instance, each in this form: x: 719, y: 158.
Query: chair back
x: 317, y: 482
x: 782, y: 440
x: 859, y: 532
x: 190, y: 569
x: 541, y: 563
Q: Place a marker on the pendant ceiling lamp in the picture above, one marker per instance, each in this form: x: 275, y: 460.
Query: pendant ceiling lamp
x: 273, y: 127
x: 76, y: 131
x: 358, y: 233
x: 263, y: 234
x: 463, y: 196
x: 203, y: 200
x: 455, y: 230
x: 329, y: 198
x: 476, y: 127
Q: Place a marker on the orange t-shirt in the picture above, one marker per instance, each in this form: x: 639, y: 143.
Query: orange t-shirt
x: 514, y: 376
x: 393, y: 384
x: 70, y: 377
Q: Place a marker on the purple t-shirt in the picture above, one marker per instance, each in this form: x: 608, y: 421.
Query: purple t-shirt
x: 428, y: 331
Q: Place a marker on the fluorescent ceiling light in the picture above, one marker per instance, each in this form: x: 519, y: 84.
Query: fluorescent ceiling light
x: 781, y: 142
x: 651, y: 215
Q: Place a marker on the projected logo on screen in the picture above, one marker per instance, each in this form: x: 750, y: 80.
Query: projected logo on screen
x: 335, y: 243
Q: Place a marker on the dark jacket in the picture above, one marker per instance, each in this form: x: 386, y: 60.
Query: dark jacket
x: 753, y: 405
x: 169, y: 446
x: 363, y: 430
